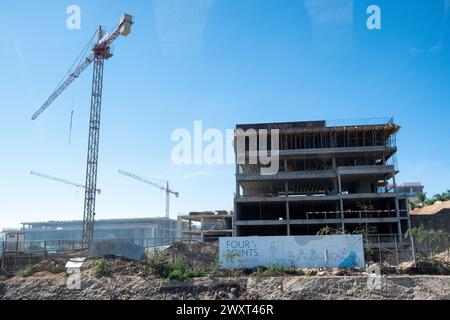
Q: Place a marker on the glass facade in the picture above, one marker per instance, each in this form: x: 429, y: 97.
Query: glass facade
x: 154, y: 230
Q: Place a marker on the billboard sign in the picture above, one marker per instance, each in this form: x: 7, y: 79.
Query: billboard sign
x: 331, y: 251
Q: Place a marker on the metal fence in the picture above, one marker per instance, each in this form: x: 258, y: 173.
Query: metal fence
x: 63, y: 247
x: 426, y: 251
x: 17, y: 254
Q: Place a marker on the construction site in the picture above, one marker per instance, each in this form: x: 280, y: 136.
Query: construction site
x: 332, y: 223
x: 340, y: 176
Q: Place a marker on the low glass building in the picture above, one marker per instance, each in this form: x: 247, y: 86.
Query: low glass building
x: 151, y: 231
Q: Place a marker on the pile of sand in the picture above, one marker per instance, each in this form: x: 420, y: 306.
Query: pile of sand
x: 437, y: 207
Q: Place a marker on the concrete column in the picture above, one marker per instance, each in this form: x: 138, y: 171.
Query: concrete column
x: 341, y: 203
x: 190, y: 229
x: 288, y: 218
x: 394, y: 182
x: 233, y: 226
x: 339, y: 183
x: 179, y: 231
x: 335, y: 183
x: 397, y: 211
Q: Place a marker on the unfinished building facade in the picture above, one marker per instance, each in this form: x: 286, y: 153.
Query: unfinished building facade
x: 340, y: 177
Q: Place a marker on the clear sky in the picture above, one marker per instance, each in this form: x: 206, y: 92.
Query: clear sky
x: 219, y: 61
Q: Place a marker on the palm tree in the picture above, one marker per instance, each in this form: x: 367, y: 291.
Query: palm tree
x: 440, y: 197
x: 421, y: 199
x: 447, y: 195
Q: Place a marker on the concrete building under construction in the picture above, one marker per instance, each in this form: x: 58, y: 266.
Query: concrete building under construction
x: 338, y: 176
x: 212, y: 225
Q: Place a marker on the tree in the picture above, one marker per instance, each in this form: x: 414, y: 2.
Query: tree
x: 421, y: 199
x: 440, y: 197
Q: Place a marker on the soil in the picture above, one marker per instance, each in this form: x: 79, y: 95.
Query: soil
x: 136, y: 280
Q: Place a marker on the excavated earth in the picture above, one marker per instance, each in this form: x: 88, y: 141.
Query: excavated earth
x: 129, y: 280
x: 136, y: 280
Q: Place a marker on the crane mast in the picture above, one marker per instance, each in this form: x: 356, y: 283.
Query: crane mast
x: 100, y: 53
x: 93, y: 143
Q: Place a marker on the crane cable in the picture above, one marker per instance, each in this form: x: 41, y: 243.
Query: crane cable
x: 79, y: 58
x: 70, y: 126
x: 77, y: 62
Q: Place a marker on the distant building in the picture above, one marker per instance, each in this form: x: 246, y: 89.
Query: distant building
x: 410, y: 189
x: 212, y: 225
x: 155, y: 231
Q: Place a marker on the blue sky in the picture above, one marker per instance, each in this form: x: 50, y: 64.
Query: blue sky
x: 219, y: 61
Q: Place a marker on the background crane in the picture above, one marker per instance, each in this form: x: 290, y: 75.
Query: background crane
x: 100, y: 52
x: 152, y: 183
x: 47, y: 176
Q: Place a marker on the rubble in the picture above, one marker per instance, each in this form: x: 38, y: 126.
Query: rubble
x: 194, y: 254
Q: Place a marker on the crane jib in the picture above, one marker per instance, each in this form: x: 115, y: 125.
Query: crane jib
x: 64, y: 85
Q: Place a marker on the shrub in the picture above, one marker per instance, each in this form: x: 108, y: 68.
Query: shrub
x: 177, y: 274
x: 100, y: 268
x: 325, y: 231
x: 163, y: 268
x: 215, y: 268
x: 195, y: 273
x: 160, y: 264
x: 25, y: 271
x: 434, y: 240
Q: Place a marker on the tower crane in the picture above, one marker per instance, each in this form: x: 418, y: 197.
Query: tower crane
x: 100, y: 52
x: 152, y: 183
x: 47, y: 176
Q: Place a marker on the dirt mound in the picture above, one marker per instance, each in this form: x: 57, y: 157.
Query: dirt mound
x: 241, y: 288
x: 437, y: 207
x: 436, y: 216
x: 195, y: 254
x: 51, y: 265
x: 124, y: 267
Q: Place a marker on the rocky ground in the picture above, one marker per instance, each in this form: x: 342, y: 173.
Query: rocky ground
x: 53, y: 286
x: 140, y: 280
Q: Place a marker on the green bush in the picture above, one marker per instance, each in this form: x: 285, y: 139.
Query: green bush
x: 177, y: 274
x: 25, y: 271
x: 215, y: 268
x: 194, y: 273
x: 183, y: 274
x: 164, y: 268
x: 100, y: 268
x: 435, y: 240
x: 160, y: 264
